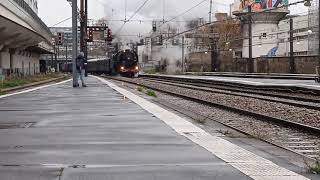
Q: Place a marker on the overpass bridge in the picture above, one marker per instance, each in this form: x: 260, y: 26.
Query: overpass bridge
x: 23, y: 38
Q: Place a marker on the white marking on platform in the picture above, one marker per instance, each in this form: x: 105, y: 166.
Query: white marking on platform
x: 245, y: 161
x: 33, y: 89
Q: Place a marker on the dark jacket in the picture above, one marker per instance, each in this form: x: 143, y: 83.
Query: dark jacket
x: 80, y: 62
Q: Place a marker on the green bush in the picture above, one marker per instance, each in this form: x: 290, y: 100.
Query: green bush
x: 201, y: 120
x: 14, y: 82
x: 316, y: 167
x: 150, y: 71
x: 151, y: 93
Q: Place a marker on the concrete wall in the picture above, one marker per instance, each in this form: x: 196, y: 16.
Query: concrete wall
x: 23, y: 62
x: 5, y: 62
x: 200, y: 61
x: 303, y: 64
x: 300, y: 34
x: 27, y: 62
x: 306, y: 65
x: 225, y: 61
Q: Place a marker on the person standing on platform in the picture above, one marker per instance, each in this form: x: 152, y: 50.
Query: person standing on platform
x: 81, y: 63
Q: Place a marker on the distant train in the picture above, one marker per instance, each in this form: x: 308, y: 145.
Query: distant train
x: 100, y: 66
x: 124, y: 62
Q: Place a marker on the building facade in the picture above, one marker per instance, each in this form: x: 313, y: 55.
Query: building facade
x: 301, y: 36
x: 314, y: 47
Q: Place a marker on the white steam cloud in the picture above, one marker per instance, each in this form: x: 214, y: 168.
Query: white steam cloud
x: 155, y: 10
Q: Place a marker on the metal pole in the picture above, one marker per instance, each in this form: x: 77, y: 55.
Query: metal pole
x: 54, y: 65
x: 210, y: 12
x: 318, y: 68
x: 213, y: 55
x: 85, y: 28
x: 85, y: 48
x: 58, y: 59
x: 319, y: 35
x: 183, y: 54
x: 66, y: 54
x: 251, y: 69
x: 51, y: 64
x: 292, y: 63
x: 74, y: 41
x: 81, y: 25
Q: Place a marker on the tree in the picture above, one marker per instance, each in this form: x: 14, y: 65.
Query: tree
x: 229, y: 34
x: 228, y: 31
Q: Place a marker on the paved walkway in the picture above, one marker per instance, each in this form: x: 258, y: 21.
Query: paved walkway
x: 95, y: 133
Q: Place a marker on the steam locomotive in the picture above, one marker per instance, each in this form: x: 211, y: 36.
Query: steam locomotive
x: 126, y: 63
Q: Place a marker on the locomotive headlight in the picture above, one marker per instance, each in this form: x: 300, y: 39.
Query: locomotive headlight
x: 122, y: 68
x: 137, y: 68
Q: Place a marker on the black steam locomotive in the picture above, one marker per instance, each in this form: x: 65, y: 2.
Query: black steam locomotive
x: 126, y: 63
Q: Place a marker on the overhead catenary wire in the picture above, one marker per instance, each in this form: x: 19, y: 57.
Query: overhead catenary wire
x: 67, y: 19
x: 133, y: 15
x: 236, y: 18
x: 185, y: 12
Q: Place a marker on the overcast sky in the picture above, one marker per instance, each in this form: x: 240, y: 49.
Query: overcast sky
x: 54, y: 11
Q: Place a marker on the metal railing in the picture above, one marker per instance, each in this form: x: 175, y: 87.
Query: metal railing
x: 29, y: 10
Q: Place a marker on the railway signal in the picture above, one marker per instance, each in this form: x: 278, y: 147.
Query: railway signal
x: 109, y: 35
x: 90, y: 36
x: 59, y: 40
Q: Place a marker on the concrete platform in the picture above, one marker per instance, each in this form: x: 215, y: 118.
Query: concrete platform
x: 255, y: 82
x: 106, y: 132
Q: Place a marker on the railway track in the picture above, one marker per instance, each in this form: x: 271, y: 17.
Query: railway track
x: 296, y: 95
x: 298, y: 137
x: 302, y: 102
x: 287, y: 138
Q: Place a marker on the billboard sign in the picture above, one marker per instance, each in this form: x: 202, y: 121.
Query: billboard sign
x: 262, y: 4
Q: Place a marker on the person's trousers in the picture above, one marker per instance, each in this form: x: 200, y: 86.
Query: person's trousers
x: 81, y: 75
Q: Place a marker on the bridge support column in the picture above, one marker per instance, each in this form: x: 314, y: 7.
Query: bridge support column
x: 1, y: 48
x: 4, y: 59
